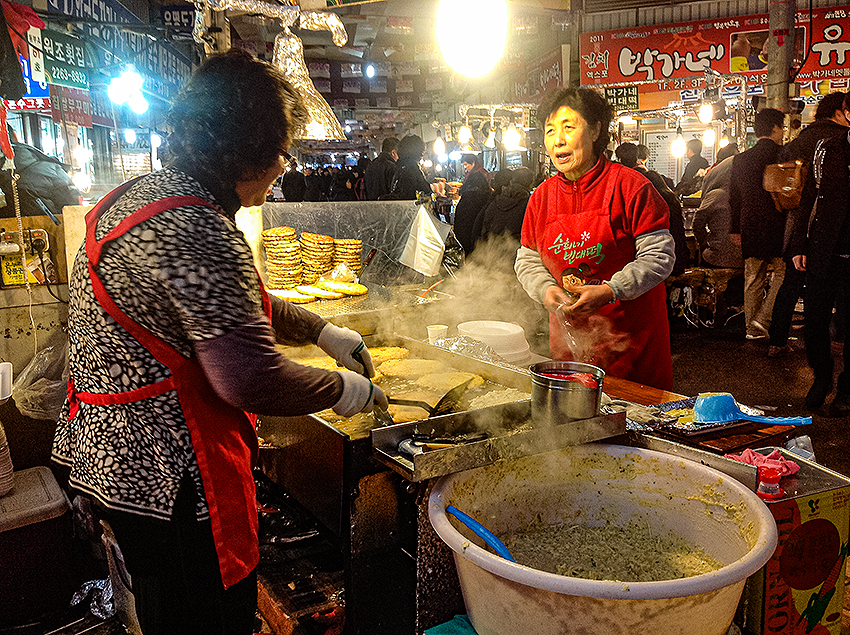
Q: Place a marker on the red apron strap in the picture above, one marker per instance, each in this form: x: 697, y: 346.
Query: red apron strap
x: 146, y: 212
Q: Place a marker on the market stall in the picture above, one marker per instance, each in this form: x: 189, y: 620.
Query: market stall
x: 369, y: 493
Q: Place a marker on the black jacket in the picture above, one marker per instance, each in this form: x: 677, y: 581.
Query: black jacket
x: 696, y: 163
x: 829, y: 224
x: 803, y: 147
x: 754, y: 215
x: 379, y: 176
x: 407, y: 180
x: 504, y: 214
x: 475, y: 195
x: 294, y: 186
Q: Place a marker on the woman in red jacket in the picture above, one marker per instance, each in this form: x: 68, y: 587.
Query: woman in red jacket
x: 596, y: 247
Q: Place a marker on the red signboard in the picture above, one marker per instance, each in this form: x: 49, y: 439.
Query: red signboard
x: 671, y: 54
x: 71, y: 105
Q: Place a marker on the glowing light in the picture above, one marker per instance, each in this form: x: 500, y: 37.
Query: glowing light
x: 706, y: 112
x: 130, y: 136
x: 347, y: 128
x: 127, y: 89
x: 678, y: 147
x: 491, y: 139
x: 82, y: 155
x: 456, y: 155
x: 428, y: 163
x: 626, y: 120
x: 156, y: 140
x: 438, y: 168
x: 82, y: 181
x: 464, y: 135
x: 724, y: 141
x: 370, y: 70
x: 443, y: 158
x: 709, y: 137
x: 510, y: 139
x: 439, y: 146
x: 472, y: 52
x: 138, y: 104
x: 316, y: 130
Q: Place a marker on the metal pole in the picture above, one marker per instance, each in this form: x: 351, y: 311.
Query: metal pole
x: 780, y: 52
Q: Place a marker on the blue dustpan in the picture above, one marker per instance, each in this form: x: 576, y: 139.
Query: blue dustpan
x: 721, y: 407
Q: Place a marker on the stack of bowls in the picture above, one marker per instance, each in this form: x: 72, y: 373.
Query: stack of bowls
x: 506, y: 339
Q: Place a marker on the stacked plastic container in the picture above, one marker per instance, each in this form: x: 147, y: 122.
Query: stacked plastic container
x: 505, y: 338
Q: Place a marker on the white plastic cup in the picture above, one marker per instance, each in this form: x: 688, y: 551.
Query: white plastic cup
x: 436, y: 332
x: 5, y: 381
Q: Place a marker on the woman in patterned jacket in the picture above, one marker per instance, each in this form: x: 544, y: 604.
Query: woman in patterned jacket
x: 172, y: 342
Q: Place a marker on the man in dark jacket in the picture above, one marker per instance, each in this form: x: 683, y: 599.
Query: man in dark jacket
x: 475, y: 195
x: 379, y: 173
x: 829, y: 122
x: 696, y: 162
x: 825, y: 257
x: 293, y: 183
x: 757, y: 224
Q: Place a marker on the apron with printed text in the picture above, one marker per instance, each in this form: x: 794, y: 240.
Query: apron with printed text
x: 223, y: 437
x: 627, y: 339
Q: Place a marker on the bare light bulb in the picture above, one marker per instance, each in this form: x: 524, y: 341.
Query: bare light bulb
x: 706, y: 112
x: 439, y: 146
x: 678, y: 147
x: 724, y: 141
x: 709, y: 137
x: 510, y: 138
x: 464, y: 134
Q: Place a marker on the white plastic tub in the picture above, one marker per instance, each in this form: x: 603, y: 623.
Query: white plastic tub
x: 585, y: 484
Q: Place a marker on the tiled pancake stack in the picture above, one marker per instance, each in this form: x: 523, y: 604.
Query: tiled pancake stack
x: 283, y: 257
x: 348, y: 251
x: 317, y: 255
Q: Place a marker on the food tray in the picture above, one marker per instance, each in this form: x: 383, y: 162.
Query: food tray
x: 695, y: 428
x: 512, y: 435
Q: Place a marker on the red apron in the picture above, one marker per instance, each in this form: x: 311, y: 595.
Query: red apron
x: 630, y: 339
x: 224, y: 438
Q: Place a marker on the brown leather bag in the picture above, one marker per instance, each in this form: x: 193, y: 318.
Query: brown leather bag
x: 785, y: 183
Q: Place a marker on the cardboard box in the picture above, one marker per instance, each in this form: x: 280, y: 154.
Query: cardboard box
x: 801, y: 589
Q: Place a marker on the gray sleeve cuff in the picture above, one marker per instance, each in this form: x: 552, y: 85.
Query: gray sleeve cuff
x: 654, y: 260
x: 532, y: 274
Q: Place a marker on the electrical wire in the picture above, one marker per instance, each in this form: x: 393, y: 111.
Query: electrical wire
x: 17, y: 199
x: 46, y: 278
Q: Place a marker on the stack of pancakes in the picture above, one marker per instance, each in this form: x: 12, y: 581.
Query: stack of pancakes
x: 317, y: 255
x: 283, y: 257
x: 348, y: 251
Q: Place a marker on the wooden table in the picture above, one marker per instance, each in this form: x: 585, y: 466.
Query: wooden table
x: 735, y: 440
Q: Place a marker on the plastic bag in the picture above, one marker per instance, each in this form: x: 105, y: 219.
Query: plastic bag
x: 39, y: 391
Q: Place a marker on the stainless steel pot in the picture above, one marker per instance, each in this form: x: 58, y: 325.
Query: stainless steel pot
x: 555, y: 400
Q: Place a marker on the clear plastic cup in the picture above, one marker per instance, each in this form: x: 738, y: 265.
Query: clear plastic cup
x: 436, y: 332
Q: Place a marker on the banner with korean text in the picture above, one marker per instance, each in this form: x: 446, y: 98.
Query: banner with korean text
x: 675, y: 56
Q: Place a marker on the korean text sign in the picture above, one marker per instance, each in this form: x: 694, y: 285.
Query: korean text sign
x: 667, y: 52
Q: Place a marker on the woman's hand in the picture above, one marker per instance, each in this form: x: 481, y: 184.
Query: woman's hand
x: 591, y: 298
x: 555, y: 297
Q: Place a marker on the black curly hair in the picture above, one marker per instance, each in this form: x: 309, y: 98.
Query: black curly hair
x: 588, y: 103
x: 234, y: 118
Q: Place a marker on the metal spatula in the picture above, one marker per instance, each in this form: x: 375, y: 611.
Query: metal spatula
x: 722, y: 407
x: 448, y: 403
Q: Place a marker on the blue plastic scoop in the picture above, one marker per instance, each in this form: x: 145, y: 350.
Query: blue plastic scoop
x: 721, y: 407
x: 482, y: 532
